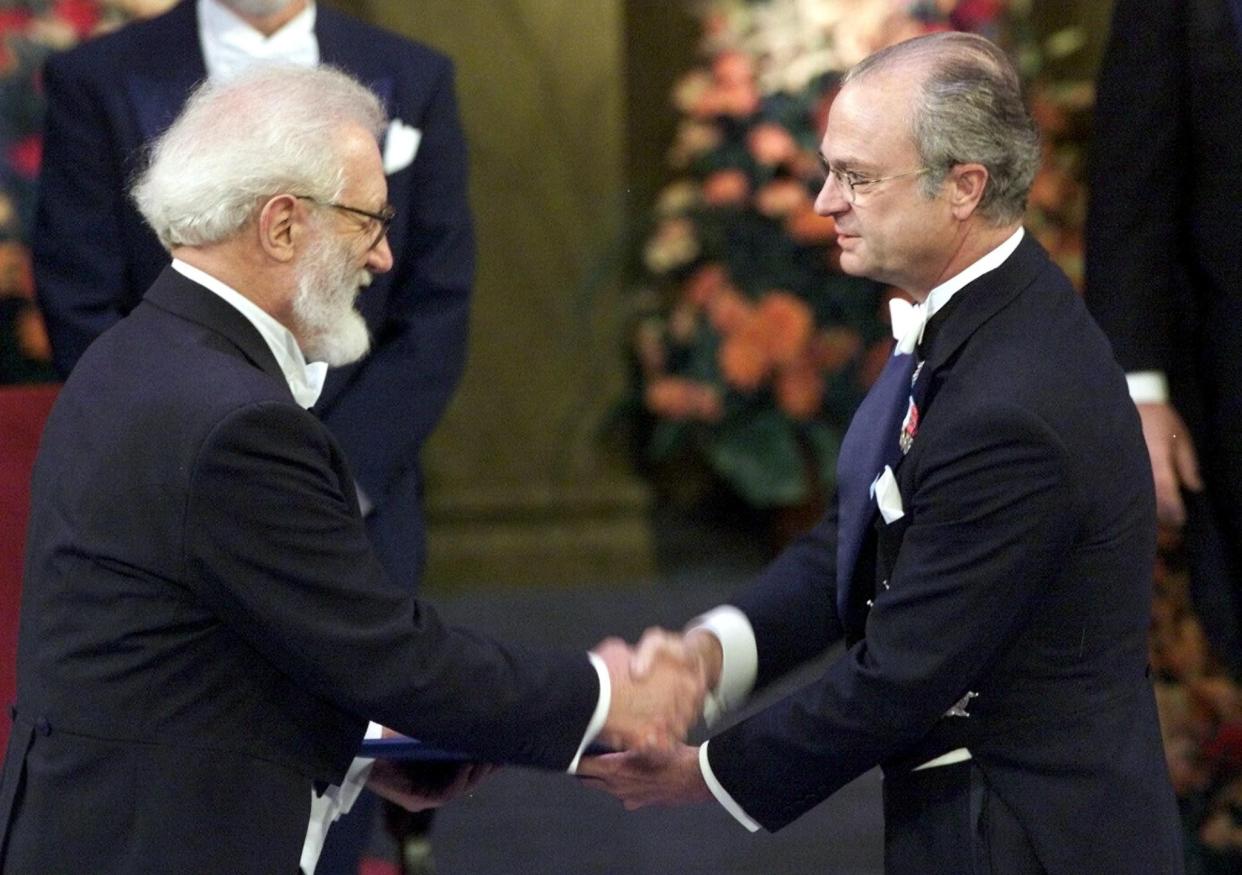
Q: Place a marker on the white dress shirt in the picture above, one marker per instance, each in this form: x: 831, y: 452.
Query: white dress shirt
x: 230, y: 44
x: 739, y: 651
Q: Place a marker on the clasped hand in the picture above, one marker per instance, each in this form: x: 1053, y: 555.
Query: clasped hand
x: 658, y: 692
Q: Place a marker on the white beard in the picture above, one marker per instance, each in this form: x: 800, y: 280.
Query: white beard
x: 331, y: 329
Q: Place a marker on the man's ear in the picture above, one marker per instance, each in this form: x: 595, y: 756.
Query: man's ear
x: 967, y: 183
x: 282, y: 222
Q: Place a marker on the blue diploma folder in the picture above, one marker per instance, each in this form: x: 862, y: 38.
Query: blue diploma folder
x: 402, y: 747
x: 409, y: 749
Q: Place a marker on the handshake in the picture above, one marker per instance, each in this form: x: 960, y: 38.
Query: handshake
x: 658, y: 688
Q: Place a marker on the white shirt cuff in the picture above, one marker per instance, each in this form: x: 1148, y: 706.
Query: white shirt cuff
x: 722, y: 795
x: 600, y: 717
x: 1148, y: 387
x: 740, y: 659
x: 327, y: 807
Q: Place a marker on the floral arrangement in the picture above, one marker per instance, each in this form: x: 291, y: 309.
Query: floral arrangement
x: 751, y: 348
x: 30, y: 30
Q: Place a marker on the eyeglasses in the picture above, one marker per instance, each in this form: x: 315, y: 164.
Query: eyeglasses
x: 854, y: 184
x: 384, y: 217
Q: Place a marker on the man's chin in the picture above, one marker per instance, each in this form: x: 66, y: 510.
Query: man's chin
x: 852, y: 262
x: 344, y: 345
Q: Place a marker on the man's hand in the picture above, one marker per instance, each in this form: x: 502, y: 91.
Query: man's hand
x: 1174, y: 465
x: 697, y: 649
x: 653, y: 711
x: 414, y: 789
x: 638, y: 779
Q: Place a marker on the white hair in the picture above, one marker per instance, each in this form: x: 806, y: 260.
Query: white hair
x: 273, y: 129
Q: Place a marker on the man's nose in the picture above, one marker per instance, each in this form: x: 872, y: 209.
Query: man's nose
x: 379, y: 259
x: 831, y: 199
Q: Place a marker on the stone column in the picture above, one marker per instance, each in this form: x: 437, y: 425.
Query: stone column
x: 518, y: 487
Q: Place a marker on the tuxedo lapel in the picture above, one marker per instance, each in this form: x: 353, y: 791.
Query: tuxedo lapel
x: 338, y: 49
x: 870, y: 443
x: 185, y: 298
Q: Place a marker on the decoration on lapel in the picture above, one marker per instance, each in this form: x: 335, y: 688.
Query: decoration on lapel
x: 909, y: 427
x: 400, y: 146
x: 959, y: 709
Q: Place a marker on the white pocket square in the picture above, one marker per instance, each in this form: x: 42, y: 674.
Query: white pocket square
x: 888, y: 496
x: 400, y: 146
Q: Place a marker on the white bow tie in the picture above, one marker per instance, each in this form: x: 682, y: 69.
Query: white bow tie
x: 908, y: 321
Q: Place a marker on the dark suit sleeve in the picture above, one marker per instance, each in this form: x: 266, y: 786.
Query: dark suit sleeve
x: 399, y: 392
x: 276, y: 549
x: 990, y: 516
x: 1139, y: 182
x: 80, y: 270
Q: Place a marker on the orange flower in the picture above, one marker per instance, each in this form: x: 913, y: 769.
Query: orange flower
x: 771, y: 144
x: 782, y: 197
x: 681, y: 399
x: 1050, y: 117
x: 728, y: 310
x: 16, y: 279
x: 743, y: 356
x: 32, y: 336
x: 1051, y: 189
x: 726, y: 188
x: 732, y: 69
x: 835, y: 348
x: 709, y: 406
x: 800, y: 389
x: 670, y: 397
x: 739, y: 101
x: 704, y: 283
x: 809, y: 229
x: 787, y: 323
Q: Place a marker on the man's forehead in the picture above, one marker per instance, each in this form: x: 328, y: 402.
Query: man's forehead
x: 364, y: 166
x: 867, y: 121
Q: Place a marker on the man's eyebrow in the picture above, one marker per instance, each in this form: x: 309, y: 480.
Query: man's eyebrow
x: 844, y: 165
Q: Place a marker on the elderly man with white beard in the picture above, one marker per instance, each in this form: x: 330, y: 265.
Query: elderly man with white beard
x: 204, y: 626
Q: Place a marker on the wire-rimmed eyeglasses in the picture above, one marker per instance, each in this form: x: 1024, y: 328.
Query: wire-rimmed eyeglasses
x: 384, y: 217
x: 853, y: 184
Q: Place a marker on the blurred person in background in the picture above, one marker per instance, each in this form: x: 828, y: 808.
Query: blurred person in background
x: 95, y: 257
x: 1164, y: 273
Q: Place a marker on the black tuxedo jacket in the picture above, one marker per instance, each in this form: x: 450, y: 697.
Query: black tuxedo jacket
x: 95, y: 257
x: 1021, y: 571
x: 204, y: 625
x: 1164, y: 268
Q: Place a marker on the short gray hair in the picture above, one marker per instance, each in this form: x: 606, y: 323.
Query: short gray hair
x: 270, y: 130
x: 968, y: 109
